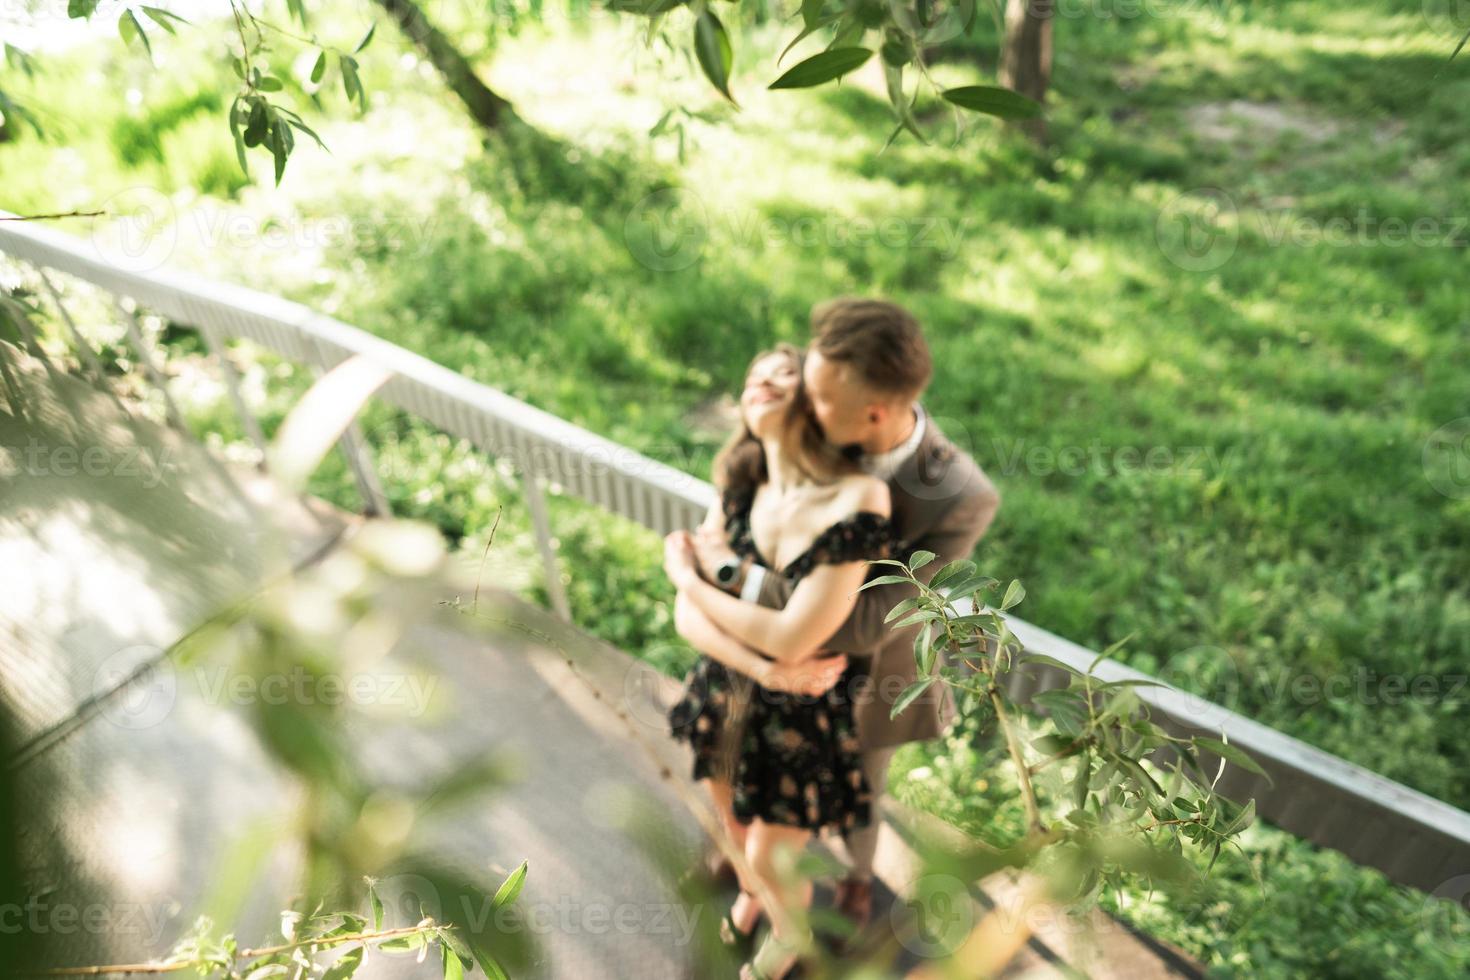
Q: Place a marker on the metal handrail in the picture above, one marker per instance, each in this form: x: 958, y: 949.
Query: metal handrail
x: 1413, y: 838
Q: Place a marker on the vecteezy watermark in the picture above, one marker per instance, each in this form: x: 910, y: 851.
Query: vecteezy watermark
x: 668, y: 229
x: 1197, y: 230
x: 410, y: 692
x: 145, y: 464
x: 934, y: 916
x: 1136, y: 9
x: 1207, y: 676
x: 1446, y: 458
x: 1445, y: 908
x: 1449, y: 19
x: 40, y: 917
x: 409, y: 897
x: 1018, y: 456
x: 140, y: 229
x: 137, y: 687
x: 1200, y: 230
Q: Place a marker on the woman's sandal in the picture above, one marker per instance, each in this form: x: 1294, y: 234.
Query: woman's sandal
x: 738, y: 941
x: 774, y: 960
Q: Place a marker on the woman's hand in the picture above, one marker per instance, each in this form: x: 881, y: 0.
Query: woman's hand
x: 811, y: 677
x: 680, y: 564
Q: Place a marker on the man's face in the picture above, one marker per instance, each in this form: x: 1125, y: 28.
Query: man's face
x: 843, y: 406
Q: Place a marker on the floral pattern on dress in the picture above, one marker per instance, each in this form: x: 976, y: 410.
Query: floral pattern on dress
x: 789, y: 759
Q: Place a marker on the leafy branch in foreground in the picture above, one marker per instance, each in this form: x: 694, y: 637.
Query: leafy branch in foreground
x: 210, y: 955
x: 1107, y: 792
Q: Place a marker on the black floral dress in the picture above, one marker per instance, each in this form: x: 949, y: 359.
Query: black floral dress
x: 789, y: 759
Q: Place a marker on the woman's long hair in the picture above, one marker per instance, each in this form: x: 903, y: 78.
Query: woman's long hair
x: 741, y: 462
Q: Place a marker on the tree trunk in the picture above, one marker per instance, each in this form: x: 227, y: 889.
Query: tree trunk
x: 1025, y: 59
x: 487, y: 108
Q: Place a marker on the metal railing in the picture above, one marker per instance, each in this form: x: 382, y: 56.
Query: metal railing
x: 1413, y: 838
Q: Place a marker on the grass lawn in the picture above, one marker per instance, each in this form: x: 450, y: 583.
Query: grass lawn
x: 1202, y: 341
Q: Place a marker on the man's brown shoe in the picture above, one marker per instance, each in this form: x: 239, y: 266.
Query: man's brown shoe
x: 854, y: 901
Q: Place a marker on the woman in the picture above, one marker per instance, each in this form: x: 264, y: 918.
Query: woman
x: 779, y: 764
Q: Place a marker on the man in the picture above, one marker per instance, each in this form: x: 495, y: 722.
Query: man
x: 865, y: 370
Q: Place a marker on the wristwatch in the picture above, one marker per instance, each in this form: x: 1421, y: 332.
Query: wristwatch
x: 727, y: 572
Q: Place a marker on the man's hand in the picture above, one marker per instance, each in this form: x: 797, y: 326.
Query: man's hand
x: 712, y: 550
x: 679, y: 562
x: 810, y: 677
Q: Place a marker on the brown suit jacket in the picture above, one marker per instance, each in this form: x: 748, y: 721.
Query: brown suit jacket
x: 942, y: 502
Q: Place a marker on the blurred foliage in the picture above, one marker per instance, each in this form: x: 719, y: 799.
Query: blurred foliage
x: 1296, y: 384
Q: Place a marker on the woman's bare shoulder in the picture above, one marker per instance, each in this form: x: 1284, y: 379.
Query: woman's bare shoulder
x: 862, y: 491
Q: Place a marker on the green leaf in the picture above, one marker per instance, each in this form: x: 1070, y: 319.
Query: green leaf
x: 270, y: 84
x: 922, y: 616
x: 1015, y: 592
x: 1460, y: 47
x: 960, y: 567
x: 256, y: 127
x: 511, y: 887
x: 924, y: 652
x: 399, y: 944
x: 910, y: 695
x: 320, y: 68
x: 309, y: 132
x: 351, y: 84
x: 491, y: 966
x: 163, y: 18
x: 453, y: 968
x: 1066, y: 709
x: 345, y: 966
x: 919, y: 559
x: 1243, y: 819
x: 81, y: 8
x: 901, y: 608
x: 1052, y: 744
x: 811, y: 14
x: 993, y: 101
x: 235, y: 133
x: 1081, y: 781
x: 897, y: 51
x: 377, y: 906
x: 823, y: 67
x: 280, y: 142
x: 1231, y: 754
x: 1140, y: 775
x: 132, y: 31
x: 886, y: 580
x: 366, y: 38
x: 1041, y: 658
x: 712, y: 48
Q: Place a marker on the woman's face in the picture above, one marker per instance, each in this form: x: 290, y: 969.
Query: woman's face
x: 770, y: 388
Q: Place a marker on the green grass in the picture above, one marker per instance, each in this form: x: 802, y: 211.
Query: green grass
x: 1290, y: 534
x: 1278, y: 907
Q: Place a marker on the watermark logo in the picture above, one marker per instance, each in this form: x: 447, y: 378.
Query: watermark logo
x: 1449, y: 19
x: 409, y: 898
x: 1198, y: 230
x: 1445, y: 908
x: 1447, y: 459
x: 139, y: 231
x: 135, y: 687
x: 935, y: 916
x: 643, y: 696
x: 145, y: 464
x: 666, y: 230
x: 1209, y: 670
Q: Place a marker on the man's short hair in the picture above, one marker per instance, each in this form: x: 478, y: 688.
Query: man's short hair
x: 882, y: 341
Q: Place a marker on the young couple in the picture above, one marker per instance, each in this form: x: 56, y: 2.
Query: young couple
x: 787, y: 710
